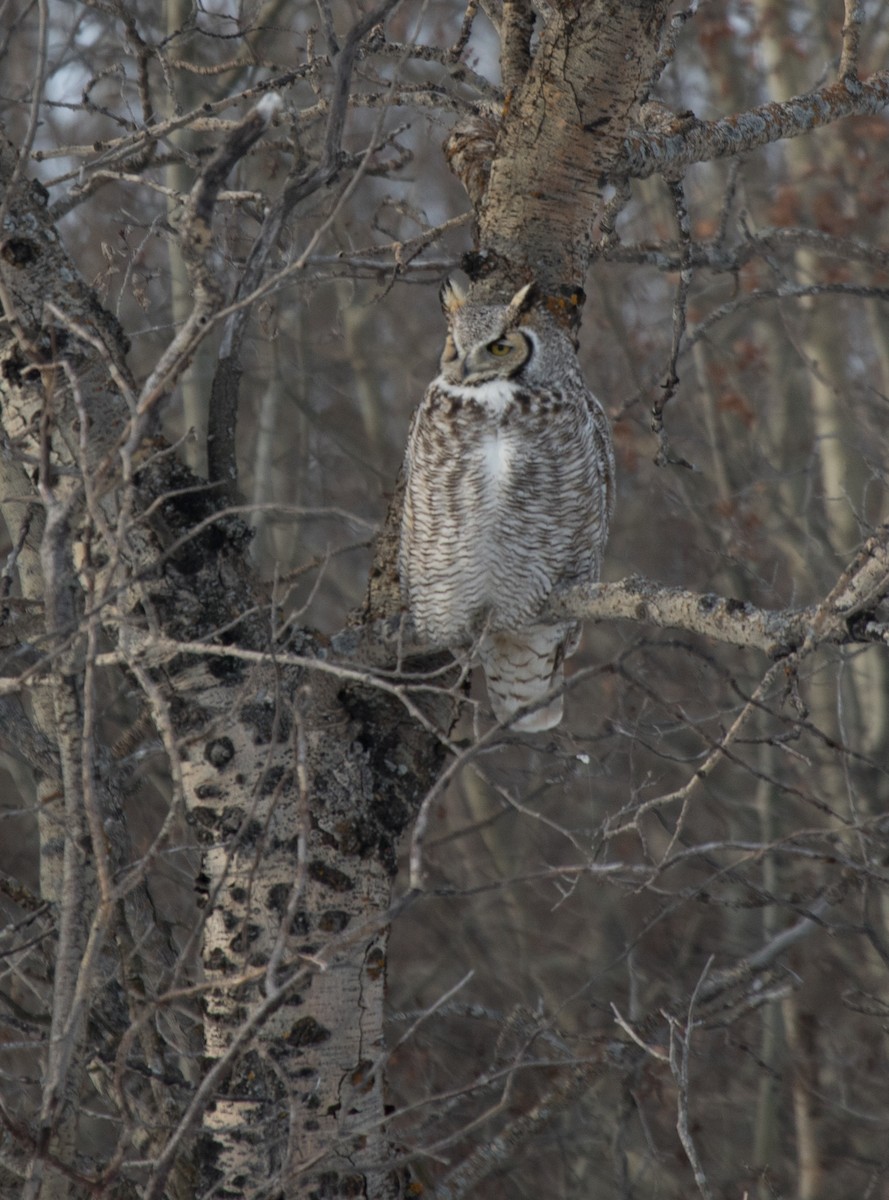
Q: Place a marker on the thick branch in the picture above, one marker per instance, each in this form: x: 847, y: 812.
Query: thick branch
x: 648, y: 154
x: 837, y: 620
x: 844, y: 617
x: 515, y: 42
x: 720, y: 618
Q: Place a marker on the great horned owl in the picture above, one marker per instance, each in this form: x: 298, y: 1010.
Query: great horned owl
x: 509, y: 492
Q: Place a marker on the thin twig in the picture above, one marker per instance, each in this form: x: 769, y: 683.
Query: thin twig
x: 226, y: 381
x: 853, y: 18
x: 665, y: 455
x: 679, y: 1068
x: 456, y: 51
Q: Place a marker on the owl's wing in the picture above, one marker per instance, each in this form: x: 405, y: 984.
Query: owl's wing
x: 521, y: 668
x: 407, y: 534
x: 604, y: 459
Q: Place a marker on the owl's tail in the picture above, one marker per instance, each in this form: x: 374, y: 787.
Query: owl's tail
x: 520, y: 668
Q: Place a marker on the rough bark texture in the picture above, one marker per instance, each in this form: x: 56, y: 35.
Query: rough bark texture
x: 702, y: 141
x: 854, y: 611
x: 297, y: 785
x: 562, y: 132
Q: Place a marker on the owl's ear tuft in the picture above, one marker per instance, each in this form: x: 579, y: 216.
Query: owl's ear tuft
x: 452, y: 297
x: 522, y: 301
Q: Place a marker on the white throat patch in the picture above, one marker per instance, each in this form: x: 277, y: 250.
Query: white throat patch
x: 495, y: 395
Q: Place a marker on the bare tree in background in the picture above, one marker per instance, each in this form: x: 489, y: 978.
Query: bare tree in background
x: 646, y: 954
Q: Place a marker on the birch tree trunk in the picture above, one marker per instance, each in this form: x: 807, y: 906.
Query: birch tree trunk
x: 296, y: 782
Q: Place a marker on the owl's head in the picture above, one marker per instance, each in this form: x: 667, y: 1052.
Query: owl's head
x: 489, y: 341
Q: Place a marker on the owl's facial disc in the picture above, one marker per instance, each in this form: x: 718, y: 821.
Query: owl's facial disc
x: 501, y: 358
x: 450, y: 353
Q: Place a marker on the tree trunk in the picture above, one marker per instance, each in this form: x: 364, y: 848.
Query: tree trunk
x: 297, y: 783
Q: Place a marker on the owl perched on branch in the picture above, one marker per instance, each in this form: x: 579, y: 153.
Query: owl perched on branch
x: 509, y: 476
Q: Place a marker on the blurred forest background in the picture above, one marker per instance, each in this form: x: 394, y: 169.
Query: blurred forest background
x: 581, y: 883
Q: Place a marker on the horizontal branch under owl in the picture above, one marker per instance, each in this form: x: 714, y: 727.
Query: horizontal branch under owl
x: 850, y: 615
x: 719, y: 618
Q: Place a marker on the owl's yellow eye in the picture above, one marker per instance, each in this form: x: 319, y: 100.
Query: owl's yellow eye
x: 500, y: 348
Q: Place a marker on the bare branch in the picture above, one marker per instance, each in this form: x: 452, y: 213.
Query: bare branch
x: 707, y: 140
x: 680, y: 1047
x: 515, y: 42
x: 226, y: 381
x: 665, y: 456
x: 724, y: 620
x: 195, y: 240
x: 853, y: 20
